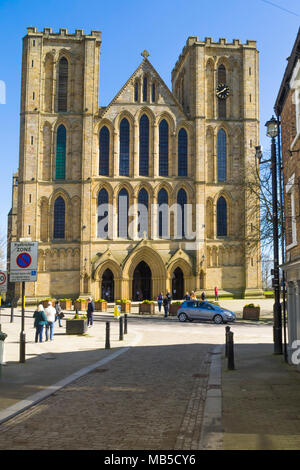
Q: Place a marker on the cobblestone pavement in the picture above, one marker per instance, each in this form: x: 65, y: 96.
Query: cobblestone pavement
x: 151, y: 397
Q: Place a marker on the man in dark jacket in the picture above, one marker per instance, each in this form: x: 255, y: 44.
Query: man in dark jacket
x: 90, y: 312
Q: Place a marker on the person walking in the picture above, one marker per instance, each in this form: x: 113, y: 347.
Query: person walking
x: 166, y: 303
x: 193, y: 296
x: 40, y: 320
x: 160, y: 298
x: 50, y: 315
x: 58, y: 315
x: 90, y: 312
x: 216, y: 293
x: 203, y: 296
x: 187, y: 296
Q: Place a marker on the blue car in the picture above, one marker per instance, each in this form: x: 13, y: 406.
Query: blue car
x: 202, y: 310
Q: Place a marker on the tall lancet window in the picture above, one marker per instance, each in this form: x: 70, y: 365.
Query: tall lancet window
x: 104, y: 152
x: 63, y: 73
x: 144, y: 146
x: 222, y: 155
x: 59, y: 218
x: 124, y: 147
x: 163, y: 148
x: 61, y: 142
x: 143, y: 207
x: 221, y: 217
x: 182, y: 152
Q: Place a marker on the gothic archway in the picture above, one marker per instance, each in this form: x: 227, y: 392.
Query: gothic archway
x: 142, y: 282
x: 108, y: 286
x: 177, y: 284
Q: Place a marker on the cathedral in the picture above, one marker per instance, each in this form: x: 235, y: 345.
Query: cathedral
x: 148, y: 194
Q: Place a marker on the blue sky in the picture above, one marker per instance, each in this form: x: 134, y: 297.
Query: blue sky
x: 128, y: 27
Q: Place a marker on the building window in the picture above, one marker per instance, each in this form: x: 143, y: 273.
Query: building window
x: 221, y: 155
x: 145, y: 89
x: 59, y: 218
x: 163, y: 214
x: 182, y: 152
x: 153, y: 93
x: 144, y: 146
x: 62, y: 85
x: 221, y: 102
x: 124, y: 147
x: 143, y: 207
x: 102, y: 227
x: 163, y: 148
x: 290, y: 218
x: 61, y: 152
x: 123, y: 207
x: 181, y: 217
x: 136, y: 91
x: 221, y: 217
x: 104, y: 152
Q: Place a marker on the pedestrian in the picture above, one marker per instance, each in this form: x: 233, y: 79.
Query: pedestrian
x: 40, y: 320
x: 187, y: 296
x: 166, y: 304
x: 160, y: 298
x: 90, y: 312
x: 59, y: 315
x: 203, y: 296
x: 50, y: 313
x: 193, y: 296
x: 169, y: 297
x: 216, y: 293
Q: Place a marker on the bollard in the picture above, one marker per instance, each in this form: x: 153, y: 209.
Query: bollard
x: 230, y: 351
x: 11, y: 314
x: 121, y: 329
x: 125, y: 324
x: 227, y: 330
x: 107, y: 335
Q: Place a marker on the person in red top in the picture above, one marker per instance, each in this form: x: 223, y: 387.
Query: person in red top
x: 216, y: 294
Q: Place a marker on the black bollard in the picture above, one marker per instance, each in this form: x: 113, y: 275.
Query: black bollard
x: 107, y: 335
x: 227, y: 329
x: 125, y: 324
x: 230, y: 351
x: 11, y: 314
x: 121, y: 329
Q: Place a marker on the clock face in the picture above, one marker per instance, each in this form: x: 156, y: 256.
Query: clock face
x: 222, y: 91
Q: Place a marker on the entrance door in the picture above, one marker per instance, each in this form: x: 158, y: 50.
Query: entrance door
x: 177, y: 284
x: 108, y: 286
x: 142, y: 282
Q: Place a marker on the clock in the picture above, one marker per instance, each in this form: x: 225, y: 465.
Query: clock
x: 222, y: 91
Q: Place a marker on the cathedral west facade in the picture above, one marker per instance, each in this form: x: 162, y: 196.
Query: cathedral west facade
x: 148, y: 194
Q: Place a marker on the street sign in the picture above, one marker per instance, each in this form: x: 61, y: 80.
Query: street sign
x: 23, y: 261
x: 3, y: 281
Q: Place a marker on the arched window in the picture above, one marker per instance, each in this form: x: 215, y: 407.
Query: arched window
x: 221, y: 155
x: 143, y: 206
x: 104, y: 152
x: 182, y: 152
x: 61, y: 141
x: 59, y: 218
x: 102, y: 227
x: 163, y: 214
x: 144, y: 146
x: 163, y: 148
x: 136, y: 91
x: 145, y: 89
x: 221, y: 81
x: 62, y: 103
x: 221, y: 217
x: 181, y: 203
x: 124, y: 147
x: 123, y: 207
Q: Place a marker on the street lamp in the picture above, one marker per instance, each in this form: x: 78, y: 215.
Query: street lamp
x: 272, y: 132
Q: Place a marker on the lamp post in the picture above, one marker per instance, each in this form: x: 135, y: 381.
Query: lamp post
x: 272, y: 132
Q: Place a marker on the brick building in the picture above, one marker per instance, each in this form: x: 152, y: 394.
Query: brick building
x: 86, y: 172
x: 287, y: 107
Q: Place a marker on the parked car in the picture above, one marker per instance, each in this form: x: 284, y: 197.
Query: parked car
x: 201, y: 310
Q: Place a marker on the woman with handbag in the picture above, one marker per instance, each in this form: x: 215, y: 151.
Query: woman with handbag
x: 40, y: 320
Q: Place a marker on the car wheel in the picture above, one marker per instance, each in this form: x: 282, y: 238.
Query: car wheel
x: 218, y: 319
x: 182, y: 317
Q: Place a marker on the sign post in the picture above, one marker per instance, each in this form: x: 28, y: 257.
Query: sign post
x: 23, y: 268
x: 3, y: 288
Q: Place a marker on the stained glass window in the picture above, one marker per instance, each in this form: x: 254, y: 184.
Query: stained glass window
x: 221, y: 217
x: 59, y: 218
x: 144, y: 146
x: 104, y: 152
x: 163, y: 148
x: 61, y: 139
x: 143, y: 206
x: 62, y: 85
x: 145, y: 89
x: 221, y: 155
x: 181, y: 203
x: 182, y: 152
x: 163, y: 214
x: 102, y: 230
x: 124, y: 147
x: 123, y: 207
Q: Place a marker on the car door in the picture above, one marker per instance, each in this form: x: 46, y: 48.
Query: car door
x: 206, y: 312
x: 192, y: 309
